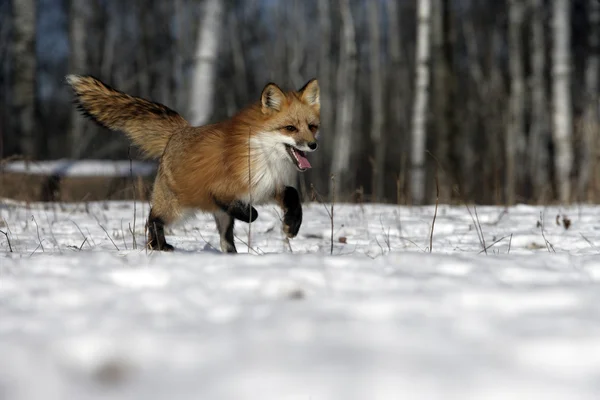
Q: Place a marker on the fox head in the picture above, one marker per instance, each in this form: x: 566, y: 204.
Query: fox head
x: 292, y: 121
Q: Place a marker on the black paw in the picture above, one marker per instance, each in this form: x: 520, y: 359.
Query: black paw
x: 292, y: 218
x: 291, y: 223
x: 154, y: 245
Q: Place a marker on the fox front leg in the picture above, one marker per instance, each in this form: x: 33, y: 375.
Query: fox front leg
x: 289, y: 201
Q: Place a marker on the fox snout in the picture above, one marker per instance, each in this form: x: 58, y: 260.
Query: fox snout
x: 306, y: 145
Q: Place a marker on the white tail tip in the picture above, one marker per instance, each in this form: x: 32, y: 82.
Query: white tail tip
x: 73, y: 79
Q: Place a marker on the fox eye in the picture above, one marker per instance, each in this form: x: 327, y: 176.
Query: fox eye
x: 291, y: 128
x: 313, y: 127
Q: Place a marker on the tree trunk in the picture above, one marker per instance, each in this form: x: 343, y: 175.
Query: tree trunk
x: 442, y: 37
x: 207, y: 48
x: 346, y: 83
x: 419, y: 118
x: 24, y: 77
x: 516, y: 124
x: 561, y: 94
x: 377, y: 109
x: 398, y: 90
x: 540, y: 128
x: 78, y: 28
x: 326, y: 129
x: 591, y: 118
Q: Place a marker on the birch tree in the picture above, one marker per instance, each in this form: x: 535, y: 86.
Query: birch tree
x: 377, y: 110
x: 345, y: 92
x: 561, y: 96
x: 591, y: 119
x: 516, y: 124
x: 24, y: 79
x: 419, y: 117
x: 207, y: 48
x: 540, y: 128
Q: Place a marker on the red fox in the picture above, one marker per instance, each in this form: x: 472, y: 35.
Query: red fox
x: 223, y: 168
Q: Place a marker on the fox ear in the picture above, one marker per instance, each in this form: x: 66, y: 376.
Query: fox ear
x: 310, y: 93
x: 271, y: 98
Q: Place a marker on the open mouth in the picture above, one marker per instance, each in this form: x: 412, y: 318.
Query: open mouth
x: 298, y: 157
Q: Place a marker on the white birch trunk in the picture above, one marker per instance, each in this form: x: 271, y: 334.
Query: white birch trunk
x: 207, y: 49
x: 591, y: 119
x: 376, y: 92
x: 420, y: 111
x: 346, y: 76
x: 24, y: 71
x: 561, y: 94
x: 516, y: 123
x: 540, y: 127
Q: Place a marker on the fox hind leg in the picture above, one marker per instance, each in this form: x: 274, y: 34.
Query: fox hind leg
x: 238, y: 210
x: 165, y: 209
x: 156, y: 233
x: 225, y: 224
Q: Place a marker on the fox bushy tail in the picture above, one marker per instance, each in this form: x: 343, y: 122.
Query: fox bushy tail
x: 149, y: 125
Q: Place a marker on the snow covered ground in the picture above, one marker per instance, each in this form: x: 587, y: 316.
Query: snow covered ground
x: 85, y: 315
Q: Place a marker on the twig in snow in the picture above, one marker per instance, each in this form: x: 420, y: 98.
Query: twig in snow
x: 8, y: 239
x: 250, y: 248
x: 108, y: 236
x: 82, y: 234
x: 510, y: 243
x: 496, y: 242
x: 33, y: 252
x: 132, y: 231
x: 437, y: 199
x: 249, y: 191
x: 82, y: 243
x: 38, y: 234
x: 587, y: 240
x: 548, y: 244
x: 123, y: 235
x: 477, y: 227
x: 206, y: 241
x: 331, y: 214
x: 134, y: 199
x: 387, y: 236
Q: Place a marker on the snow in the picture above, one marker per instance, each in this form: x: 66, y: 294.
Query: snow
x: 85, y: 316
x: 82, y: 168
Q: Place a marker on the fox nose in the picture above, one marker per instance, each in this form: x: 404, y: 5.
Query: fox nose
x: 312, y: 145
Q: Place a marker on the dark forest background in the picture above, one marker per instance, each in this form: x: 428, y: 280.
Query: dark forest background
x: 472, y: 100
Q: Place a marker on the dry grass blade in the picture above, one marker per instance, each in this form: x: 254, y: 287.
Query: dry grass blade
x: 8, y: 240
x: 496, y: 242
x: 109, y: 238
x: 249, y: 192
x: 38, y: 234
x: 331, y: 213
x: 477, y: 228
x: 437, y: 200
x: 549, y: 245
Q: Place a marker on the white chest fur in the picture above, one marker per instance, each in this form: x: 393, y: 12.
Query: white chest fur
x: 270, y: 167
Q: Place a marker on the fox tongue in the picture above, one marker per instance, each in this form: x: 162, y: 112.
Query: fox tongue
x: 302, y: 160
